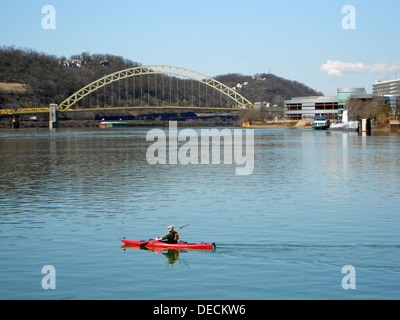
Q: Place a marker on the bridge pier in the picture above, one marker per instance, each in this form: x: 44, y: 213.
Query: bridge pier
x: 15, y: 121
x: 53, y: 117
x: 366, y: 125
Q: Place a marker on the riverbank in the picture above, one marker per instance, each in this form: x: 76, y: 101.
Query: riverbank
x: 131, y: 123
x: 278, y: 124
x: 148, y: 118
x: 196, y: 121
x: 307, y: 124
x: 6, y: 124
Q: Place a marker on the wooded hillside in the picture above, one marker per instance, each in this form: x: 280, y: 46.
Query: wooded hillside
x: 50, y: 79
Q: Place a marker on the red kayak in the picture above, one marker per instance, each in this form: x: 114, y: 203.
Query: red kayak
x: 159, y: 244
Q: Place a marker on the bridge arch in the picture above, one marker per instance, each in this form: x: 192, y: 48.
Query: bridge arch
x: 240, y: 101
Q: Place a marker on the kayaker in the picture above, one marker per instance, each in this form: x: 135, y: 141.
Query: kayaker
x: 171, y: 237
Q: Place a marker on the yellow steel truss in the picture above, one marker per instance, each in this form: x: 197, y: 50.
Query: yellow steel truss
x: 241, y: 102
x: 24, y: 111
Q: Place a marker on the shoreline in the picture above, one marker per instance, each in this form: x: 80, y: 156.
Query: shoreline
x: 307, y: 124
x: 215, y: 122
x: 24, y: 124
x: 279, y: 124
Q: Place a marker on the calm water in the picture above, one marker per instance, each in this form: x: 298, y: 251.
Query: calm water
x: 316, y: 201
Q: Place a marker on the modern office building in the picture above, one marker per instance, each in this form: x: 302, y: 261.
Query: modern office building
x: 386, y: 88
x: 390, y: 90
x: 302, y: 108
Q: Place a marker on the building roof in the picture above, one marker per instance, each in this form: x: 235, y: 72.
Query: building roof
x: 350, y: 90
x: 386, y: 81
x: 313, y: 98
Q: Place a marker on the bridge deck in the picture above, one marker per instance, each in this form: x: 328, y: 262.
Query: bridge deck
x: 21, y: 111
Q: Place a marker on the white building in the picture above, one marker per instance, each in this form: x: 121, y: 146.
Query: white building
x: 390, y: 90
x: 386, y: 88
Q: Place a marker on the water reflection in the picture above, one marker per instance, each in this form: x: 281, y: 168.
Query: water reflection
x: 172, y: 255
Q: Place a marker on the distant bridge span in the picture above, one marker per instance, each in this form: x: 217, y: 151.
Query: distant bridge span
x: 240, y: 101
x: 236, y: 100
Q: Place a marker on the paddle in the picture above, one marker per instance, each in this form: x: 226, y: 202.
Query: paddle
x: 144, y: 244
x: 182, y: 227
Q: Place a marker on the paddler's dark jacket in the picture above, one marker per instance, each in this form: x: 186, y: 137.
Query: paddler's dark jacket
x: 171, y: 237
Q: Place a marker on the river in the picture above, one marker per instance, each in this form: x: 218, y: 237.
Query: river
x: 317, y: 217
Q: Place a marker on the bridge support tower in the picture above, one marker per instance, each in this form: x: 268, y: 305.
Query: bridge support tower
x: 53, y: 117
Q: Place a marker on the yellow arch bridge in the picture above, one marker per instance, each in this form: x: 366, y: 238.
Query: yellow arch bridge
x: 143, y: 87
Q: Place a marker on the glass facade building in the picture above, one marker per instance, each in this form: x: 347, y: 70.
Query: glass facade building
x: 343, y: 94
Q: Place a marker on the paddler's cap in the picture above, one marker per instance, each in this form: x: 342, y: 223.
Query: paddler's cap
x: 170, y: 227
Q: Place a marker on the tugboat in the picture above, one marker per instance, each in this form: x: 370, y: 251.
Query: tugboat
x: 320, y: 123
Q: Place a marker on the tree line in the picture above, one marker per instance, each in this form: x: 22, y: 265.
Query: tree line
x: 375, y: 108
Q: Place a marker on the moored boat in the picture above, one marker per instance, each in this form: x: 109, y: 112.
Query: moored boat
x: 320, y: 123
x: 112, y: 124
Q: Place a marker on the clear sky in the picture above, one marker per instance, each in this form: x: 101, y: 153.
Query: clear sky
x: 319, y: 43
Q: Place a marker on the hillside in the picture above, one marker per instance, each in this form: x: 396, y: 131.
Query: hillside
x: 47, y: 76
x: 266, y: 87
x: 50, y: 79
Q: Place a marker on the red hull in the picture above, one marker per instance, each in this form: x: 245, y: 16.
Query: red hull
x: 160, y: 244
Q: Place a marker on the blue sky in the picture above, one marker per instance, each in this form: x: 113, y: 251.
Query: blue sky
x: 297, y: 40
